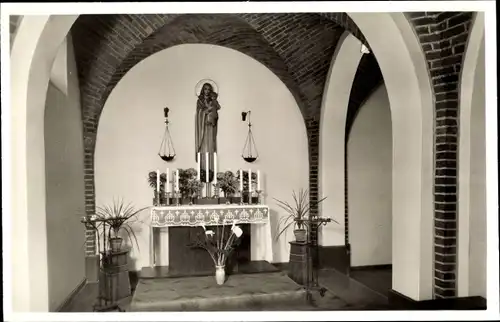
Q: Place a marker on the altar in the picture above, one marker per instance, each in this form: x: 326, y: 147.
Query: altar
x: 257, y: 217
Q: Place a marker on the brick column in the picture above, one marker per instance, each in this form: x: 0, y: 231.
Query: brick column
x: 443, y: 36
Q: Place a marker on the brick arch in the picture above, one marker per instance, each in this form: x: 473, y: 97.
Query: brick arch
x: 296, y: 47
x: 443, y: 36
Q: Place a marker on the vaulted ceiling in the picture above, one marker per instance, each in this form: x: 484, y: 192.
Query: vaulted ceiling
x: 297, y: 47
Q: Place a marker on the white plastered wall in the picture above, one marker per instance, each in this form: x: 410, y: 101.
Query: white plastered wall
x: 332, y: 136
x: 471, y: 270
x: 369, y: 176
x: 37, y: 41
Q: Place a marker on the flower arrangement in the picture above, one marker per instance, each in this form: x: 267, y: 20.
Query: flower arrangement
x: 227, y: 183
x: 217, y: 244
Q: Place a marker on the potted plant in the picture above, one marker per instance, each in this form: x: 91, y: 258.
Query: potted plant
x: 152, y: 180
x: 245, y: 185
x: 298, y: 214
x: 117, y: 217
x: 189, y: 186
x: 220, y: 245
x: 227, y: 183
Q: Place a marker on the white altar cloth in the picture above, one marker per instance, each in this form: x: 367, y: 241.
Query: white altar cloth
x: 210, y: 215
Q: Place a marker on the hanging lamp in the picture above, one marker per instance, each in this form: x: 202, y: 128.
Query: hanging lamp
x: 250, y: 153
x: 167, y: 150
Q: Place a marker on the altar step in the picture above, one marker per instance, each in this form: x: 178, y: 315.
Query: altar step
x: 249, y: 267
x: 259, y: 291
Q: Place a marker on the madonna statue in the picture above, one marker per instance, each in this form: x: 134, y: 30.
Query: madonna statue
x: 207, y: 116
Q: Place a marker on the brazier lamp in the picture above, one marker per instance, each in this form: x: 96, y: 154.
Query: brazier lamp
x: 250, y: 153
x: 167, y: 150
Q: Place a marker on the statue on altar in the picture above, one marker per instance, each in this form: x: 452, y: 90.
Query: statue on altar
x: 207, y: 117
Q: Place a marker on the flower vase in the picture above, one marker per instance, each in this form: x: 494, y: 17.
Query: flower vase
x: 220, y: 274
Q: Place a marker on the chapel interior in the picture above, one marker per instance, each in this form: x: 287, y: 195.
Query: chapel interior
x: 377, y: 118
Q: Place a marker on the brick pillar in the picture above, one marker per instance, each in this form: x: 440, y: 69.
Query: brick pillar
x: 90, y: 236
x: 443, y: 36
x: 313, y: 136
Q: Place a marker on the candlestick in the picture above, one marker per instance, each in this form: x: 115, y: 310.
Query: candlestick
x: 241, y: 180
x: 215, y: 169
x: 258, y: 180
x: 259, y: 192
x: 207, y: 165
x: 177, y: 180
x: 158, y: 181
x: 167, y: 183
x: 198, y: 163
x: 249, y: 181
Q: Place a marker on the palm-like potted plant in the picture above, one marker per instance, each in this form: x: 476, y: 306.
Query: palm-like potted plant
x: 117, y: 217
x: 298, y: 215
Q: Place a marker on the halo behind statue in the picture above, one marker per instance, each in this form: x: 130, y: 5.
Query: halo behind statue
x: 199, y: 86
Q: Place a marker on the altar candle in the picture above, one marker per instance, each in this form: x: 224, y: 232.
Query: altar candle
x: 206, y: 165
x: 198, y: 161
x: 249, y: 180
x: 177, y: 180
x: 167, y: 186
x: 258, y: 180
x: 241, y: 180
x: 158, y: 181
x: 215, y: 168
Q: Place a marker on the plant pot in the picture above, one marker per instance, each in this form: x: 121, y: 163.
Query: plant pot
x: 224, y: 200
x: 300, y: 235
x: 220, y: 274
x: 234, y: 200
x: 207, y: 201
x: 185, y: 201
x: 116, y: 243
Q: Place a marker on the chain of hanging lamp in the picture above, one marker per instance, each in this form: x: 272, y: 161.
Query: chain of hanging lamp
x: 249, y: 153
x: 167, y: 150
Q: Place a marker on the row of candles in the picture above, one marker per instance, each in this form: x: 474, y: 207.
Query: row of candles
x: 214, y: 181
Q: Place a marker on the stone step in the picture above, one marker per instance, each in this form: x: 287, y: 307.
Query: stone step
x: 240, y: 292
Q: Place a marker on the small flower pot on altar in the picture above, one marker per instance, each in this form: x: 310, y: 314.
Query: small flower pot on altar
x: 207, y: 201
x: 224, y: 200
x: 186, y: 201
x: 234, y: 200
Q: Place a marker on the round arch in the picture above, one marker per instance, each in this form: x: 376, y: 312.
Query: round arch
x: 406, y: 77
x: 392, y: 41
x: 472, y: 137
x: 343, y: 69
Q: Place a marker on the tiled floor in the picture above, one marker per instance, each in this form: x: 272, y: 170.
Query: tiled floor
x: 343, y: 293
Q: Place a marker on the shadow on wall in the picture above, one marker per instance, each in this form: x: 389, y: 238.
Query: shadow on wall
x: 277, y: 248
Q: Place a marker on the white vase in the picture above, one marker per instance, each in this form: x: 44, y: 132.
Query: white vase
x: 220, y: 274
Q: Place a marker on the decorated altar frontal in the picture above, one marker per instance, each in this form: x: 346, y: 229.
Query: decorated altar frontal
x: 212, y: 215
